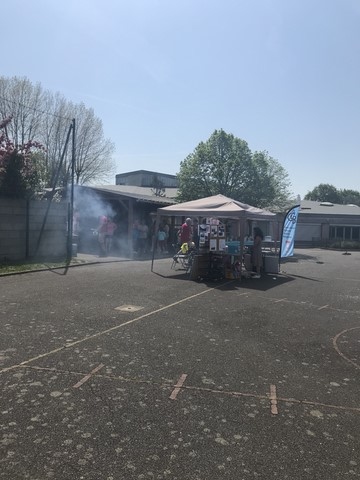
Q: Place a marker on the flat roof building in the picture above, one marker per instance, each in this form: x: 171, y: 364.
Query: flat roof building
x: 146, y: 178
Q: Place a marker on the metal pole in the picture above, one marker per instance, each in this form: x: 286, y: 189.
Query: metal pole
x: 27, y: 233
x: 156, y: 228
x: 53, y: 190
x: 130, y: 228
x: 71, y: 213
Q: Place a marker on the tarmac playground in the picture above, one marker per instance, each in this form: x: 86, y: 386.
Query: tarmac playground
x: 115, y: 372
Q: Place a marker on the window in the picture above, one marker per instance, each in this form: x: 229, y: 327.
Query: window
x: 344, y: 233
x: 356, y: 233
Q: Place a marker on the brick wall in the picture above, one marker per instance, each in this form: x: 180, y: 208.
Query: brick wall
x: 20, y: 227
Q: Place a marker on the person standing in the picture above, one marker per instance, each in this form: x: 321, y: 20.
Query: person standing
x: 184, y: 238
x: 162, y: 239
x: 185, y: 232
x: 195, y: 232
x: 101, y: 230
x: 167, y: 235
x: 110, y: 229
x: 256, y: 258
x: 143, y: 236
x: 135, y: 236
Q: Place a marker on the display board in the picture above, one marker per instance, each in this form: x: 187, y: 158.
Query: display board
x: 212, y: 235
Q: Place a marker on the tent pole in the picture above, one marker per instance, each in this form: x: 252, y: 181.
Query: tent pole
x: 154, y: 239
x: 242, y: 224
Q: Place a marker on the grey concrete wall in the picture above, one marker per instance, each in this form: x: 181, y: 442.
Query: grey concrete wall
x: 14, y: 231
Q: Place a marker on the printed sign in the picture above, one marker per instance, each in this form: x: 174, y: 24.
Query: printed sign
x: 288, y: 232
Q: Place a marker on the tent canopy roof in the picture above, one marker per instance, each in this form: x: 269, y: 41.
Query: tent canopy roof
x: 217, y: 206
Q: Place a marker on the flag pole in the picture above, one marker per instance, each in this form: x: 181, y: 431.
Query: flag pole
x: 288, y: 227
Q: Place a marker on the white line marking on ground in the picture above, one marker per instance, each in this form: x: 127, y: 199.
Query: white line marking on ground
x: 116, y: 327
x: 335, y: 339
x: 178, y: 386
x: 273, y: 400
x: 322, y: 308
x: 89, y: 375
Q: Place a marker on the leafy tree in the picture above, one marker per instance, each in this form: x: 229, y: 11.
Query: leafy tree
x: 40, y: 115
x: 350, y: 197
x: 324, y: 193
x: 18, y: 174
x: 269, y: 186
x: 225, y: 164
x: 329, y: 193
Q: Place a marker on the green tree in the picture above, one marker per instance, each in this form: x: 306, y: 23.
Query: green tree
x: 324, y: 193
x: 328, y: 193
x: 18, y: 174
x: 269, y: 186
x: 350, y: 197
x: 225, y: 164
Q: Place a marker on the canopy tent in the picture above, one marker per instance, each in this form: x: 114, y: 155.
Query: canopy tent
x: 217, y: 206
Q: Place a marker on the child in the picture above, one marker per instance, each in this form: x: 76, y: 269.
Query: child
x: 162, y: 239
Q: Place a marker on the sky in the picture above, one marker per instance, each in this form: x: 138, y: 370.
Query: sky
x: 162, y: 75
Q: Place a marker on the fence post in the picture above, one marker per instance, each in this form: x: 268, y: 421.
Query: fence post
x: 27, y: 229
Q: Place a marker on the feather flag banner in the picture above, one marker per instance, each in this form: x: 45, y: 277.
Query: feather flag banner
x: 288, y: 232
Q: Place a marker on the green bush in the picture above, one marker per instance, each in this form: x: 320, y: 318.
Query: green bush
x: 345, y: 245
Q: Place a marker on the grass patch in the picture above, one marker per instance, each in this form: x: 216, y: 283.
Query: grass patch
x: 7, y: 267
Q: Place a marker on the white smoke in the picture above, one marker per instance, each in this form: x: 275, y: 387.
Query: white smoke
x: 90, y: 205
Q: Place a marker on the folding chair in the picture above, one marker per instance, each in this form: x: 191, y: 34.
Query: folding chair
x: 180, y: 260
x: 183, y: 258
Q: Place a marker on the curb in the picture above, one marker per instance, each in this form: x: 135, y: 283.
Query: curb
x: 91, y: 262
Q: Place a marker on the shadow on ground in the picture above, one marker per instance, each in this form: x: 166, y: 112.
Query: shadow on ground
x: 266, y: 282
x: 297, y: 257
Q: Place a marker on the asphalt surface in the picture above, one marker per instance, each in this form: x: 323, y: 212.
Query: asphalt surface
x: 111, y: 371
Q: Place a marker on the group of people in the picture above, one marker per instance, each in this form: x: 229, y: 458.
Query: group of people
x: 140, y: 237
x: 105, y: 233
x: 186, y: 235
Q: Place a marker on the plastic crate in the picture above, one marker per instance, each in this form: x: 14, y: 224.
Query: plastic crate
x: 233, y: 247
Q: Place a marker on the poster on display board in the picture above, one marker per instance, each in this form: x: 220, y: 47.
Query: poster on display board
x: 213, y: 231
x: 204, y: 234
x: 214, y: 237
x: 213, y: 244
x: 222, y: 244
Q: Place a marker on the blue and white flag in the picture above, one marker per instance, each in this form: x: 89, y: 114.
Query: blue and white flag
x: 288, y: 232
